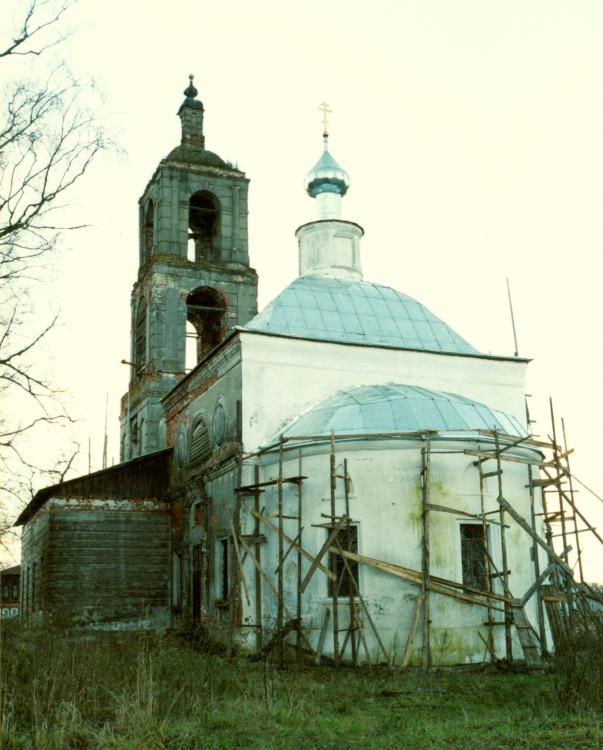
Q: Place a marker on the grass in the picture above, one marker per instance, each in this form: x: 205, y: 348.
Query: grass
x: 146, y: 692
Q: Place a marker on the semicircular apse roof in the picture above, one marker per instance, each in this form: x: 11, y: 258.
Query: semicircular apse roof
x: 329, y: 308
x: 394, y: 407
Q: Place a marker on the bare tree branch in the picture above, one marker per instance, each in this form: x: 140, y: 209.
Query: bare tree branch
x: 39, y: 17
x: 51, y: 131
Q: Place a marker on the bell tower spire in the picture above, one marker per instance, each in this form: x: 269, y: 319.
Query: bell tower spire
x: 194, y: 281
x: 191, y: 117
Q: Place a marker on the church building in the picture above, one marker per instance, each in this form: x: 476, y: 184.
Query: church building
x: 340, y: 474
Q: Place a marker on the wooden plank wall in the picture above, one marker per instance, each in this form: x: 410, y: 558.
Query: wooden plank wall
x: 108, y: 565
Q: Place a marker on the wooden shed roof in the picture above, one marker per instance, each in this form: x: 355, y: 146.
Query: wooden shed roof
x: 147, y: 476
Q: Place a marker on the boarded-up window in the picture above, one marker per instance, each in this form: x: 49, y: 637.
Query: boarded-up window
x: 200, y: 442
x: 472, y: 556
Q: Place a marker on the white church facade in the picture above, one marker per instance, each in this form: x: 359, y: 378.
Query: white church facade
x: 340, y: 474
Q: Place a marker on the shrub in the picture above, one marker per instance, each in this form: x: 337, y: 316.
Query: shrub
x: 578, y: 663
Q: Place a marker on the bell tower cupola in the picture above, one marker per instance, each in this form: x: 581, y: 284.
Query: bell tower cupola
x: 194, y: 281
x: 191, y: 117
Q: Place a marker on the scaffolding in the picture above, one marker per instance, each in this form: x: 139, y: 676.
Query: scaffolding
x: 559, y: 588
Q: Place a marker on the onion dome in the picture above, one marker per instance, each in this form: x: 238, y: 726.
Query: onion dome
x: 191, y: 95
x: 326, y: 176
x: 192, y: 145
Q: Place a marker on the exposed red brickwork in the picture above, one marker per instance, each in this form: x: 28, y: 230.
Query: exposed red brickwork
x: 178, y: 414
x: 176, y: 513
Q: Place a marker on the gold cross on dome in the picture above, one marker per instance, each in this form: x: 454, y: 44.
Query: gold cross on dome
x: 324, y: 108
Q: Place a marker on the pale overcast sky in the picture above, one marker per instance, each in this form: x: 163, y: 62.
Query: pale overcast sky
x: 473, y: 136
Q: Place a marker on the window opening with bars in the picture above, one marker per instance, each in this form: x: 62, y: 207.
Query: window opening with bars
x: 347, y: 539
x: 473, y: 558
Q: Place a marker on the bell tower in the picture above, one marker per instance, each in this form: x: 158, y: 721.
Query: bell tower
x: 194, y: 281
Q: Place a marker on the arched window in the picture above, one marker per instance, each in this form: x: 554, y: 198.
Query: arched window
x: 203, y: 217
x: 200, y: 442
x: 140, y: 336
x: 206, y: 311
x: 149, y: 219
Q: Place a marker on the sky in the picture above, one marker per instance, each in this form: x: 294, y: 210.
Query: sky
x: 472, y: 133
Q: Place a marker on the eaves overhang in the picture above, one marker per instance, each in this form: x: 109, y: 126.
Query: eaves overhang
x: 389, y: 347
x: 146, y: 476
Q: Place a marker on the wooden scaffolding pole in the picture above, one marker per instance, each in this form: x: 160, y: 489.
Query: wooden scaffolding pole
x: 561, y: 512
x: 280, y: 620
x: 436, y: 584
x: 300, y: 549
x: 258, y: 556
x: 426, y: 461
x: 571, y: 494
x: 486, y: 556
x: 536, y: 559
x: 335, y: 589
x: 503, y: 545
x: 300, y: 529
x: 351, y: 593
x: 413, y: 628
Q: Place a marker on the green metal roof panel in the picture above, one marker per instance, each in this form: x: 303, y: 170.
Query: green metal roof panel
x: 329, y: 308
x: 394, y: 407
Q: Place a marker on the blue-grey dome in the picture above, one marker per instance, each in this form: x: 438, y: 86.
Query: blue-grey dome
x: 399, y: 408
x: 329, y: 308
x: 326, y: 176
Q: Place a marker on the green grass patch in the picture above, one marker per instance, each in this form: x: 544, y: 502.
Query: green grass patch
x: 132, y: 692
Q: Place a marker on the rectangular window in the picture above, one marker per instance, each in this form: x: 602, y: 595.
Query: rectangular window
x: 472, y: 556
x: 223, y: 551
x: 344, y: 568
x: 176, y: 579
x: 197, y: 582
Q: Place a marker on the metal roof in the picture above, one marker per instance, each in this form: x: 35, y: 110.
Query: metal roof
x: 394, y: 407
x: 329, y: 308
x: 326, y: 176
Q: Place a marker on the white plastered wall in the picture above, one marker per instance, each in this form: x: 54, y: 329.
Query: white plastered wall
x: 387, y: 504
x: 282, y: 377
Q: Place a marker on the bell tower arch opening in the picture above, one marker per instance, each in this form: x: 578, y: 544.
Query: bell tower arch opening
x: 206, y: 313
x: 203, y: 224
x: 193, y: 273
x: 140, y: 338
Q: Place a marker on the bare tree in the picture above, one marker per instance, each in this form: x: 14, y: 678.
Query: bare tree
x: 50, y: 132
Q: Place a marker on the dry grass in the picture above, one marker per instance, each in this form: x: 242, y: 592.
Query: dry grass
x: 146, y: 692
